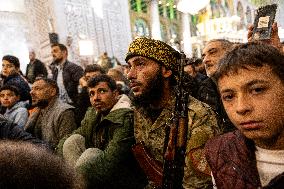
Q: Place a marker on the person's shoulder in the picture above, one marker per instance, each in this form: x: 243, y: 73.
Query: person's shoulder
x: 61, y: 106
x: 72, y: 64
x: 207, y: 84
x: 37, y: 61
x: 199, y: 107
x: 221, y: 141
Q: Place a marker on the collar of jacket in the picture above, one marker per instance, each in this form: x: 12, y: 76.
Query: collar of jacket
x: 19, y: 104
x: 61, y: 65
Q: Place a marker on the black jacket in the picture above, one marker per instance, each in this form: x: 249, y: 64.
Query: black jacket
x: 39, y: 70
x: 208, y: 93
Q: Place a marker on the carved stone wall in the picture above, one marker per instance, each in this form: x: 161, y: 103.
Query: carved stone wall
x: 13, y: 27
x: 117, y: 33
x: 109, y: 32
x: 73, y: 20
x: 40, y: 20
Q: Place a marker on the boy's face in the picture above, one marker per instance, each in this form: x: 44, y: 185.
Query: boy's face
x: 8, y: 98
x: 8, y: 68
x: 254, y: 101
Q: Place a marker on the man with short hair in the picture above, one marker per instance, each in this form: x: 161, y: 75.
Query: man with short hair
x: 65, y: 73
x: 53, y: 119
x: 35, y: 68
x: 83, y: 100
x: 251, y: 83
x: 101, y: 148
x: 213, y: 51
x: 152, y: 71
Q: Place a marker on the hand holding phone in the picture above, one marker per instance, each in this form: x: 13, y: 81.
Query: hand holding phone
x: 263, y: 22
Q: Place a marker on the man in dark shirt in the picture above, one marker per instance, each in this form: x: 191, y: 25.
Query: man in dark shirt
x: 35, y: 68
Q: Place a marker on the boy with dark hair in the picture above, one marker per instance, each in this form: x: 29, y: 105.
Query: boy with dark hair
x: 15, y: 109
x: 251, y: 84
x: 101, y: 148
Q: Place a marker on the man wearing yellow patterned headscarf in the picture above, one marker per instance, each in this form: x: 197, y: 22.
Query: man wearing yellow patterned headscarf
x: 152, y: 65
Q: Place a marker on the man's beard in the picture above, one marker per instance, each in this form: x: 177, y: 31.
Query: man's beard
x: 153, y: 92
x: 41, y: 104
x: 57, y: 60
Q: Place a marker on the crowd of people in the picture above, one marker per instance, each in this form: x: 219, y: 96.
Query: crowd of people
x: 78, y: 127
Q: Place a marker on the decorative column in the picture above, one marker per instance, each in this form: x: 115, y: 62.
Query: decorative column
x: 155, y: 20
x: 187, y: 45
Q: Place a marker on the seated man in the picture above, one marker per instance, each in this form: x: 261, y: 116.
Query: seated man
x: 25, y: 166
x: 153, y: 71
x: 251, y: 84
x: 101, y: 148
x: 53, y: 119
x: 83, y: 100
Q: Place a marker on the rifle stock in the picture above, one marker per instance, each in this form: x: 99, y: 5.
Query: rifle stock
x: 152, y: 168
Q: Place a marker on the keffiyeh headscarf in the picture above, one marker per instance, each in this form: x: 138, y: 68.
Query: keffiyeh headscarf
x: 154, y: 49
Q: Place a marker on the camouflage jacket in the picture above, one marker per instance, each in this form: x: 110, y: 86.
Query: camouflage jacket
x: 202, y: 125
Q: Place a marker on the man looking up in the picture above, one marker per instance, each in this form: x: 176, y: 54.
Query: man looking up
x: 53, y: 119
x: 65, y: 73
x: 101, y: 148
x: 251, y: 83
x: 152, y: 70
x: 213, y: 51
x: 83, y: 100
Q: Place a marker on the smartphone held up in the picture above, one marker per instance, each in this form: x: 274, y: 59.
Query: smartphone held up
x: 263, y: 22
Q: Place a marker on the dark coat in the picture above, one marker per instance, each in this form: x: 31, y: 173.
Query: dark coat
x: 208, y: 93
x: 39, y: 70
x: 71, y: 75
x: 83, y: 103
x: 232, y: 160
x: 11, y: 131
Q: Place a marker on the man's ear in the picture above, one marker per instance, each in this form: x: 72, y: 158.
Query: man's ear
x: 52, y: 91
x: 166, y: 72
x: 116, y: 92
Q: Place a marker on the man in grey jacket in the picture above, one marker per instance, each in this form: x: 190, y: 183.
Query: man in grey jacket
x: 52, y: 119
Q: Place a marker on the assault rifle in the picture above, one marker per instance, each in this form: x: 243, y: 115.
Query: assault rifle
x: 177, y: 132
x: 170, y: 174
